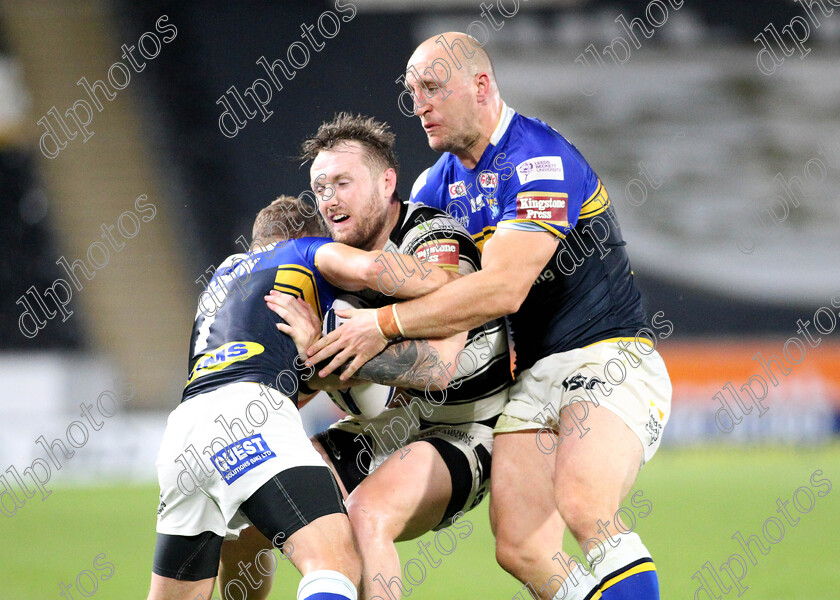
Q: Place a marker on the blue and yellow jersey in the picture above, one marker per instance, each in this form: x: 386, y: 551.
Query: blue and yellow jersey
x: 531, y: 178
x: 234, y: 337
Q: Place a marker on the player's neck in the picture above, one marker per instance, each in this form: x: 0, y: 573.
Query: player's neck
x: 392, y: 217
x: 488, y: 123
x: 469, y: 158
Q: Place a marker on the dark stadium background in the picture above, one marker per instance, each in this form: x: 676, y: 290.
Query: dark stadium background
x: 226, y: 181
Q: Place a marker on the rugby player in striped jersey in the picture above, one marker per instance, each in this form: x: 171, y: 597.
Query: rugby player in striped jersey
x: 425, y: 461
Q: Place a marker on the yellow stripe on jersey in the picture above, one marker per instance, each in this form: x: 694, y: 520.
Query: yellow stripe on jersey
x: 482, y: 236
x: 596, y: 203
x: 547, y: 226
x: 549, y: 210
x: 300, y: 283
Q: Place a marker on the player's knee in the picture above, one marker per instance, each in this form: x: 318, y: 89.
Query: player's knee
x: 581, y: 514
x: 513, y: 552
x: 332, y: 550
x: 515, y: 556
x: 506, y: 557
x: 368, y: 519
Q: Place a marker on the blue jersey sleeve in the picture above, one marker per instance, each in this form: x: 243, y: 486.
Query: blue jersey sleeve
x: 309, y: 246
x: 325, y: 293
x: 297, y: 273
x: 550, y: 188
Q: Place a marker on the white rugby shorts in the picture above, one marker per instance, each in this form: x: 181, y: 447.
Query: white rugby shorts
x: 205, y: 474
x: 627, y: 377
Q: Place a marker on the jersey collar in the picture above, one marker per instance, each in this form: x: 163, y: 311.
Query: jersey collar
x: 396, y: 233
x: 504, y: 122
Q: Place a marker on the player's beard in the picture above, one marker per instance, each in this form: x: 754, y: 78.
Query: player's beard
x: 456, y: 143
x: 369, y: 223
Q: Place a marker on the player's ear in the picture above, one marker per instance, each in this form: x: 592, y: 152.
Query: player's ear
x: 390, y: 180
x: 482, y: 86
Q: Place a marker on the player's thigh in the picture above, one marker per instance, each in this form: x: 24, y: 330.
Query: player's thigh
x: 292, y: 499
x: 252, y: 542
x: 184, y: 562
x: 325, y: 543
x: 406, y: 496
x: 165, y: 588
x: 301, y: 498
x: 594, y: 471
x: 245, y: 549
x: 606, y: 437
x: 522, y: 506
x: 606, y: 429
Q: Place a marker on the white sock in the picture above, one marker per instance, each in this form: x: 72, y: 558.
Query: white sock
x: 326, y: 582
x: 630, y: 548
x: 571, y: 591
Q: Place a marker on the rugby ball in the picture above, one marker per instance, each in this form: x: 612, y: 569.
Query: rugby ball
x: 367, y: 400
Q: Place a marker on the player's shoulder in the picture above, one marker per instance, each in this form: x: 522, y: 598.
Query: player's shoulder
x: 295, y: 250
x: 419, y: 188
x: 425, y: 188
x: 236, y: 265
x: 416, y: 214
x: 533, y: 150
x: 420, y: 221
x: 232, y: 260
x: 528, y: 134
x: 307, y: 245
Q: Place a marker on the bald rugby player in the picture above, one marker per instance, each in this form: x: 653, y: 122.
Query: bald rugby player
x: 591, y: 395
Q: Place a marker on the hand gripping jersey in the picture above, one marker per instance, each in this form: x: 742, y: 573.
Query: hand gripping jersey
x: 234, y: 337
x: 483, y: 367
x: 530, y: 178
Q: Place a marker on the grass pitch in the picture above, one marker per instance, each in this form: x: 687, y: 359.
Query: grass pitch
x: 701, y: 497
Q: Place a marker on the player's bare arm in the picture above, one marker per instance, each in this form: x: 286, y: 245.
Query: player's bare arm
x: 511, y: 262
x: 414, y: 363
x: 352, y: 269
x: 409, y: 363
x: 304, y: 327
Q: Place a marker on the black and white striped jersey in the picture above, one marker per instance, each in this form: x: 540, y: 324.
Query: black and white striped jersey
x: 483, y: 366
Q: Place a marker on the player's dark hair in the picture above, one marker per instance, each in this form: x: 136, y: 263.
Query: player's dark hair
x: 287, y: 218
x: 374, y: 136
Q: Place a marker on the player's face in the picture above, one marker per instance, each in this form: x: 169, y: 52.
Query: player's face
x: 351, y: 198
x: 451, y: 123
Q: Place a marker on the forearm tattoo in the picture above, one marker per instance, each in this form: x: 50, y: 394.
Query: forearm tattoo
x: 409, y: 363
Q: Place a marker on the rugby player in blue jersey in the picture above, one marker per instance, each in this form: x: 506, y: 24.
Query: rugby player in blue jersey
x: 555, y: 262
x: 234, y: 452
